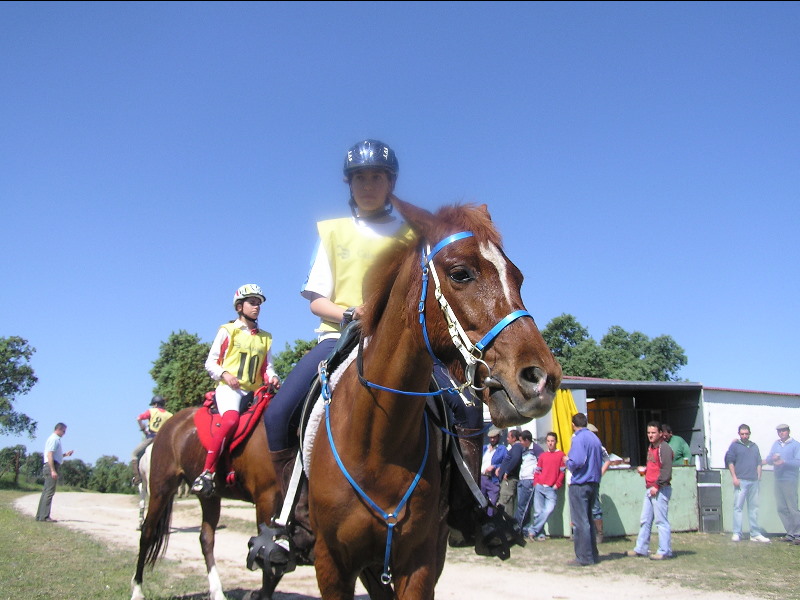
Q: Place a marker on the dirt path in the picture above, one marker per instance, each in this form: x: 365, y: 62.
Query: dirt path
x: 113, y: 517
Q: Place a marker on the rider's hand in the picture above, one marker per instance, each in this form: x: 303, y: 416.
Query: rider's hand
x: 230, y: 380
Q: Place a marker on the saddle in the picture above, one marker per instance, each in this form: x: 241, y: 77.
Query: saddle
x: 207, y: 419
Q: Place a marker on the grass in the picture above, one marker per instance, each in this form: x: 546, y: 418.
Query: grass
x: 702, y: 561
x: 42, y: 561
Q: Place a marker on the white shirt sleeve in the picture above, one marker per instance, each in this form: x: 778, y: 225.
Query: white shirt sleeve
x: 320, y: 277
x: 214, y: 369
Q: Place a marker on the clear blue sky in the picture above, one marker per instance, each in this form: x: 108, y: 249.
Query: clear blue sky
x: 640, y: 159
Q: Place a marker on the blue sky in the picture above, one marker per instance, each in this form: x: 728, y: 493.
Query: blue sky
x: 640, y: 160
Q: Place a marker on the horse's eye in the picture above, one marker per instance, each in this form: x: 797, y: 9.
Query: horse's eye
x: 460, y: 275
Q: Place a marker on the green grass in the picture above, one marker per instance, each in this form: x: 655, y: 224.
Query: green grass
x: 702, y: 561
x: 42, y: 561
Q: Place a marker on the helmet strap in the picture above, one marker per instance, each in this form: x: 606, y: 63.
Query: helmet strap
x: 388, y: 207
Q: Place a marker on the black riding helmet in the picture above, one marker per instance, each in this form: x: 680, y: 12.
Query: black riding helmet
x: 371, y: 154
x: 157, y: 401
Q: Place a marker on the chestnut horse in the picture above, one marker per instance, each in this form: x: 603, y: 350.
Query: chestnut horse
x: 177, y: 457
x: 377, y: 487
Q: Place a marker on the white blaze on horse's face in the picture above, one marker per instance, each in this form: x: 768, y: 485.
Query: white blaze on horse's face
x: 492, y: 253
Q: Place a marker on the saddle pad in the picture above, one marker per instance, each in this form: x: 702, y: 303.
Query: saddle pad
x: 315, y: 421
x: 207, y: 419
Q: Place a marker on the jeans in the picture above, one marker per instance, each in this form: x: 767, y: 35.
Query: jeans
x: 747, y: 491
x: 524, y: 514
x: 581, y: 500
x: 655, y: 507
x: 544, y: 502
x: 597, y: 508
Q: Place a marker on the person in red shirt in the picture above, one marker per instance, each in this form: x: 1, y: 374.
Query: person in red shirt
x: 547, y: 479
x: 657, y: 480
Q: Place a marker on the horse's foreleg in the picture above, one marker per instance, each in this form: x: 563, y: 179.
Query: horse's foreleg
x: 211, y: 512
x: 334, y: 581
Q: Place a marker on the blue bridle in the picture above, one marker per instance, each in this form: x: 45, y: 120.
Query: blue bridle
x: 472, y: 354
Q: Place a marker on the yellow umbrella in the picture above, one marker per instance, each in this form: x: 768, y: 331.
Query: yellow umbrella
x: 563, y: 409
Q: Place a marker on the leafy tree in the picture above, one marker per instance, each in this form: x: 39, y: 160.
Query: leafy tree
x: 179, y: 371
x: 31, y: 469
x: 11, y: 460
x: 75, y: 473
x: 110, y: 476
x: 619, y: 355
x: 16, y: 378
x: 564, y: 333
x: 286, y: 360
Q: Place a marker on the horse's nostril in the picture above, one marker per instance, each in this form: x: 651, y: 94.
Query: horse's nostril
x: 532, y: 375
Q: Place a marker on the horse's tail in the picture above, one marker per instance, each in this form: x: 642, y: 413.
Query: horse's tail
x: 157, y: 543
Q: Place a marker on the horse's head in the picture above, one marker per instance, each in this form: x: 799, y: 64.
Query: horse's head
x: 482, y: 287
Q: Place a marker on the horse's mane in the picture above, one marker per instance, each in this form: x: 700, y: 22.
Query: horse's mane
x: 389, y: 265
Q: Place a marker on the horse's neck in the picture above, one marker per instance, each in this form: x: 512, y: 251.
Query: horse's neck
x: 374, y: 422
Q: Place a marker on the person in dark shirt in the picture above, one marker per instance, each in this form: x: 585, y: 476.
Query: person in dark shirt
x: 743, y: 460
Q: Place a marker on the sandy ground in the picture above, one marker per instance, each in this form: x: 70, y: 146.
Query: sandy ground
x: 112, y: 518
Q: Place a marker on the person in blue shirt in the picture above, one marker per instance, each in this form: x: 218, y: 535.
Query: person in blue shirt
x: 493, y: 454
x: 585, y: 463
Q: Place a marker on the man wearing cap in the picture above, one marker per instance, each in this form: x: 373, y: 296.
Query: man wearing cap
x: 493, y: 454
x: 784, y: 456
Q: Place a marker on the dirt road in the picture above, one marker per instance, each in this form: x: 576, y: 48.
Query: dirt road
x: 112, y: 518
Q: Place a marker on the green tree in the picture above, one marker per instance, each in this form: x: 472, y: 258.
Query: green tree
x: 619, y: 355
x: 179, y: 371
x: 75, y: 473
x: 110, y: 476
x: 16, y: 378
x: 32, y: 467
x: 563, y: 334
x: 11, y: 460
x: 285, y: 361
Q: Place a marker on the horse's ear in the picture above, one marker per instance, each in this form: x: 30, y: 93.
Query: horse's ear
x: 418, y: 218
x: 485, y: 209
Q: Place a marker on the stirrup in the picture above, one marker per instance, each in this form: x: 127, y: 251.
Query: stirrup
x: 204, y: 484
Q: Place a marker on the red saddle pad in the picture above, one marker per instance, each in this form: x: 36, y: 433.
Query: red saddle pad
x: 207, y: 419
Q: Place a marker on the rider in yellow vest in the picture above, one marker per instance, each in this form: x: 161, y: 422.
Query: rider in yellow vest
x: 150, y: 421
x: 240, y: 360
x: 345, y: 250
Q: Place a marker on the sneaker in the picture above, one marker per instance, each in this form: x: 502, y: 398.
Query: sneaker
x: 204, y: 484
x: 788, y: 538
x: 736, y: 537
x: 541, y: 538
x: 759, y: 538
x: 659, y: 556
x: 635, y: 554
x: 796, y: 541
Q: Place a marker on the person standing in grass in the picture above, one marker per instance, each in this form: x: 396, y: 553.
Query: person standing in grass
x: 53, y: 457
x: 658, y: 491
x: 743, y: 460
x: 784, y: 456
x: 585, y: 463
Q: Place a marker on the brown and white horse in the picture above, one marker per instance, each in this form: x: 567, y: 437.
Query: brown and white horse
x: 377, y: 497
